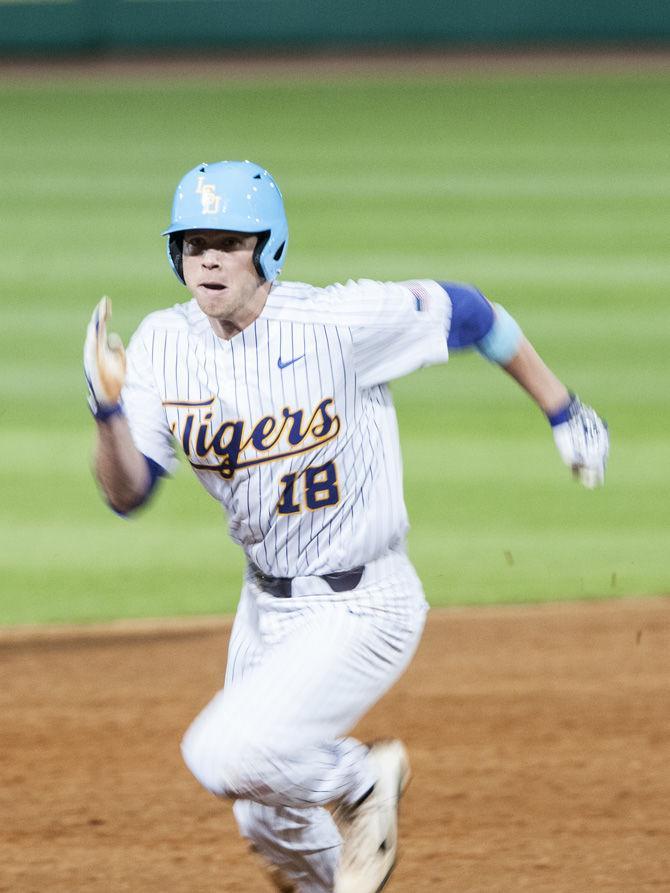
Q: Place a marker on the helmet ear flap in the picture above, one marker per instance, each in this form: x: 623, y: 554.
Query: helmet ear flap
x: 261, y: 242
x: 176, y: 253
x: 266, y: 260
x: 278, y: 255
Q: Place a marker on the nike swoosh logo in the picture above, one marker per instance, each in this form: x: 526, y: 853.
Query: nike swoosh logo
x: 283, y: 365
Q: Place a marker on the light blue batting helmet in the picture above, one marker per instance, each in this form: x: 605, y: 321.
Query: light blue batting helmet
x: 239, y: 196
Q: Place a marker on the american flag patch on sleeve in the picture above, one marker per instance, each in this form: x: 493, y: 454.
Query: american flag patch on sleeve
x: 420, y: 295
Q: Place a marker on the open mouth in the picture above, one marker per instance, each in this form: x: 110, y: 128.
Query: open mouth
x: 214, y: 286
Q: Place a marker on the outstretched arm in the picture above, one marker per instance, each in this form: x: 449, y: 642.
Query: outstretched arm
x: 581, y: 437
x: 125, y: 475
x: 536, y: 378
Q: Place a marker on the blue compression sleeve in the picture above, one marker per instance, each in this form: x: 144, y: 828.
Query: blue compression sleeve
x: 502, y: 342
x: 472, y: 315
x: 475, y: 322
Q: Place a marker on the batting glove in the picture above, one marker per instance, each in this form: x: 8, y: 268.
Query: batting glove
x: 582, y: 439
x: 104, y: 364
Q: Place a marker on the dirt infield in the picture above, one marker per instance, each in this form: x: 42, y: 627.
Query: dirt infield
x: 539, y: 738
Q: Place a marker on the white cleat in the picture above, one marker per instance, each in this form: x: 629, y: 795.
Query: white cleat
x: 370, y: 830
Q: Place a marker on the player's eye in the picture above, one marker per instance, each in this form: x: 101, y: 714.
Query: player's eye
x: 194, y: 245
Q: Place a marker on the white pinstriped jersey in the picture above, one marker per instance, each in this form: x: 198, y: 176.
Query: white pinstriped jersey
x: 289, y: 424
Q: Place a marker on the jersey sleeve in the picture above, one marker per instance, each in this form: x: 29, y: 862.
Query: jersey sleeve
x: 143, y: 407
x: 398, y: 327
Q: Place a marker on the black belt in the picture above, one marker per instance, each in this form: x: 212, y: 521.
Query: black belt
x: 280, y: 587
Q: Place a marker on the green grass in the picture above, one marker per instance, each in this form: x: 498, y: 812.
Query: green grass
x: 551, y: 194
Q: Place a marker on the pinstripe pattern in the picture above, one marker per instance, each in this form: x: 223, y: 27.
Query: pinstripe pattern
x: 303, y: 843
x: 300, y: 673
x: 301, y: 392
x: 341, y: 344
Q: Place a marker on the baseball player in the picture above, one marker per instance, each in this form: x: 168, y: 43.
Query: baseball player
x: 276, y: 394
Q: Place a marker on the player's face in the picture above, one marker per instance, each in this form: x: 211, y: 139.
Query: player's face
x: 220, y: 274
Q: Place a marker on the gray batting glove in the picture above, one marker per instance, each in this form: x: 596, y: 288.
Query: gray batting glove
x: 104, y: 364
x: 582, y: 439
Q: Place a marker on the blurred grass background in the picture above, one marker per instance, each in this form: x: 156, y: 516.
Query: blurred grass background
x: 550, y: 193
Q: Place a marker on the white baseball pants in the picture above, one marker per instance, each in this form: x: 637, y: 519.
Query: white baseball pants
x: 301, y: 672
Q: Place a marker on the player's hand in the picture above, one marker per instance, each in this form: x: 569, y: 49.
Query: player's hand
x: 104, y: 364
x: 582, y: 439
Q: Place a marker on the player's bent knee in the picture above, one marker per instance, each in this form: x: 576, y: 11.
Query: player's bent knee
x: 230, y: 765
x: 211, y: 760
x: 195, y: 754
